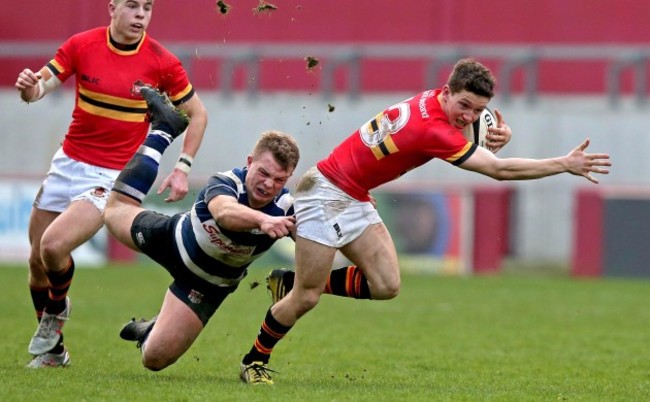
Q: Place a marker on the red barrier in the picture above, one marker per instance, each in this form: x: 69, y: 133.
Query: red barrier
x: 491, y: 228
x: 587, y: 257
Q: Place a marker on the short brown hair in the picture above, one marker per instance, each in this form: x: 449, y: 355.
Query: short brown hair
x: 472, y: 76
x: 283, y: 147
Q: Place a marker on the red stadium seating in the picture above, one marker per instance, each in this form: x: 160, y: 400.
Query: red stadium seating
x: 555, y: 46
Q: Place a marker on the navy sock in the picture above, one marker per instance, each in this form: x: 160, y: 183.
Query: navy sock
x: 137, y: 177
x: 158, y: 141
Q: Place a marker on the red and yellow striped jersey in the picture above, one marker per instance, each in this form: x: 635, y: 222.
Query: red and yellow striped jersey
x: 109, y: 117
x: 399, y: 139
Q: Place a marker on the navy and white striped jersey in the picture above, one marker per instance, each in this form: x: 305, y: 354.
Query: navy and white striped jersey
x: 217, y: 255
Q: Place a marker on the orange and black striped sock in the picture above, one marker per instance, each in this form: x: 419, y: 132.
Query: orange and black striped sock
x: 348, y: 282
x: 39, y: 300
x: 60, y: 284
x: 270, y: 333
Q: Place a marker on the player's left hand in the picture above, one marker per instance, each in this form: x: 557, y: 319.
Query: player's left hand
x: 177, y: 183
x: 500, y: 135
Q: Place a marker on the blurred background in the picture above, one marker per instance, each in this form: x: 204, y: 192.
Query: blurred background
x: 319, y: 70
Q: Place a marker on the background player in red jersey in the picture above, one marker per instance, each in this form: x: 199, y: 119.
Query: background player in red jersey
x: 334, y: 210
x: 108, y: 125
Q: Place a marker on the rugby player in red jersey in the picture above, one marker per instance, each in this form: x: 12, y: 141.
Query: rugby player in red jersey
x: 109, y: 123
x: 334, y: 210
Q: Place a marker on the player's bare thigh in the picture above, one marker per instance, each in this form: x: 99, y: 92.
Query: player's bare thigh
x: 119, y: 216
x: 374, y: 253
x: 176, y: 329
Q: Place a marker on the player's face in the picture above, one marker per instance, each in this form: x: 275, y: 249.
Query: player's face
x: 265, y: 179
x: 462, y: 108
x: 129, y: 19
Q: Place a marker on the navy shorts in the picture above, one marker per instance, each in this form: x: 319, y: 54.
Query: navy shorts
x: 153, y: 233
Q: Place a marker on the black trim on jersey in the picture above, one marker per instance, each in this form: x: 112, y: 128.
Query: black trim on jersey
x: 52, y: 68
x: 122, y: 46
x: 184, y: 98
x: 112, y: 106
x: 463, y: 158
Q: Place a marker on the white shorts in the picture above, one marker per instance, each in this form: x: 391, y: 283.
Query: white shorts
x: 327, y: 215
x: 70, y: 180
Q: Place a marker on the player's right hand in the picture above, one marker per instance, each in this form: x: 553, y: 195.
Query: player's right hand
x: 581, y: 163
x: 27, y: 79
x: 278, y: 226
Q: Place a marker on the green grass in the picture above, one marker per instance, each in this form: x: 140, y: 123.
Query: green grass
x: 501, y: 338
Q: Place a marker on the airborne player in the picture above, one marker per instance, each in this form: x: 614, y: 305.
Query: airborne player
x: 334, y: 210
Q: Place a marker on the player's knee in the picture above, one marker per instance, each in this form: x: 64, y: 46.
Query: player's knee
x: 53, y: 250
x: 156, y: 362
x: 311, y: 300
x: 385, y: 290
x: 305, y: 301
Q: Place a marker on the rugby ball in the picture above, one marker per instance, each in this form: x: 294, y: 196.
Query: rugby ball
x: 477, y: 131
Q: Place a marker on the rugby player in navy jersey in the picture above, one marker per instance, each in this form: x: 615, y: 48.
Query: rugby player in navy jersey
x: 236, y: 218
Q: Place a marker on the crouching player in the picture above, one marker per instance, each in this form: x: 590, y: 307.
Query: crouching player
x: 237, y: 216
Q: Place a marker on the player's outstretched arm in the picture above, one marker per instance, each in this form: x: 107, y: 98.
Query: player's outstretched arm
x: 232, y: 215
x: 577, y: 162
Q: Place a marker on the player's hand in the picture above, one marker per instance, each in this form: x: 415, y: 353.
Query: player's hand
x: 26, y: 83
x: 500, y: 135
x: 584, y: 164
x: 278, y: 226
x: 27, y: 79
x: 178, y: 185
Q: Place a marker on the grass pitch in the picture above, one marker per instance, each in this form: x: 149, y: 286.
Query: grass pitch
x: 503, y: 338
